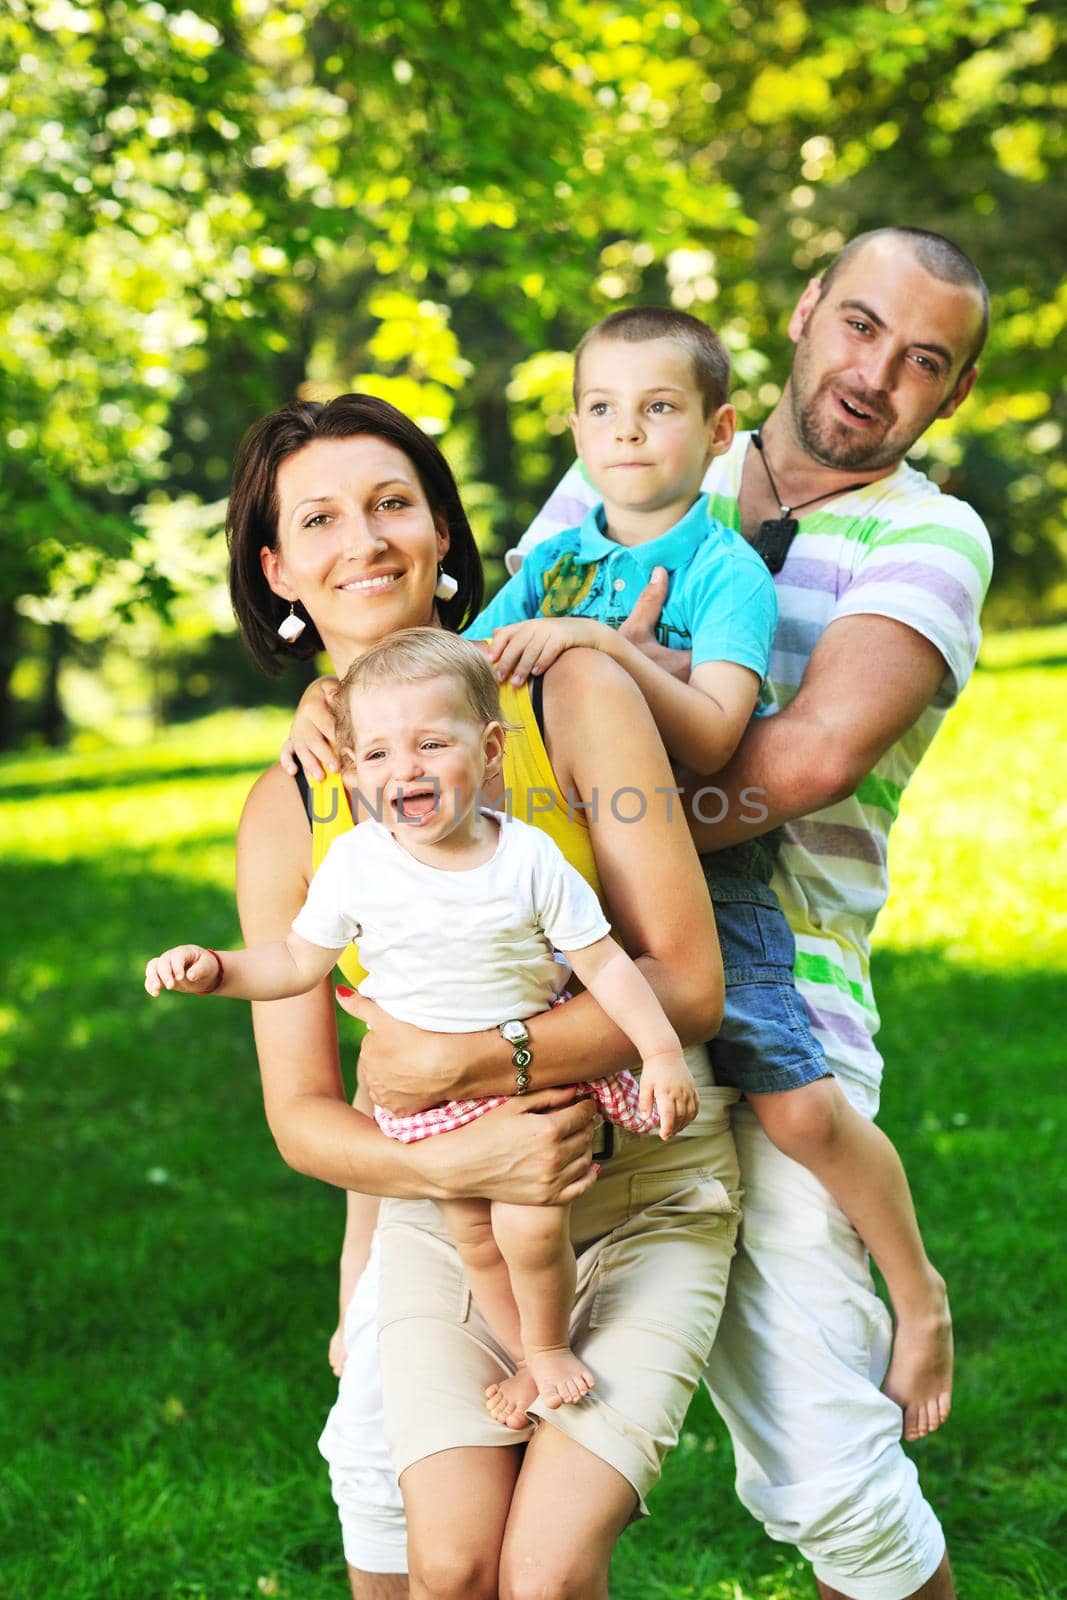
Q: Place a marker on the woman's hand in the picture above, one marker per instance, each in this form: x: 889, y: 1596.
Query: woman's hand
x: 312, y: 735
x: 534, y: 1150
x: 398, y: 1063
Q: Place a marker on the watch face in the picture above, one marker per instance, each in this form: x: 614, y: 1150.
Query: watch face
x: 514, y: 1032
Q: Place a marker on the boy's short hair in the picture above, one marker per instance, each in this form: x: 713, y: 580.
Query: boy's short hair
x: 711, y: 361
x: 416, y: 655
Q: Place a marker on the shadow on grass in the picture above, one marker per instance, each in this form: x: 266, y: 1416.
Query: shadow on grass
x: 1055, y: 659
x: 129, y: 777
x: 169, y: 1286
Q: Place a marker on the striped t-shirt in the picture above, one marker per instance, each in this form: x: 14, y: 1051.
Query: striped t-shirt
x: 897, y: 548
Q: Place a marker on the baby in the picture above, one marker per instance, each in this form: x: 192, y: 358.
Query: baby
x: 457, y: 910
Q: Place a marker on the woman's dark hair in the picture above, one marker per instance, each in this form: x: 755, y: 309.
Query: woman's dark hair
x: 252, y: 515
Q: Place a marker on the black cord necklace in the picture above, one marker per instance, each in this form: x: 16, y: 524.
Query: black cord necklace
x: 776, y: 534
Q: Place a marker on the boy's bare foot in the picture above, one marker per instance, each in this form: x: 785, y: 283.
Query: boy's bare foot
x: 560, y: 1377
x: 506, y: 1402
x: 920, y: 1374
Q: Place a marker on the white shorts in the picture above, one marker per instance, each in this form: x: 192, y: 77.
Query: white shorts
x: 362, y: 1479
x: 802, y: 1349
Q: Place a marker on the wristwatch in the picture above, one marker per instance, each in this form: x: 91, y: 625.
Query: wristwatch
x: 521, y: 1055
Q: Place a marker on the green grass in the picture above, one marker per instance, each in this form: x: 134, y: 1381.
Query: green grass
x: 168, y: 1285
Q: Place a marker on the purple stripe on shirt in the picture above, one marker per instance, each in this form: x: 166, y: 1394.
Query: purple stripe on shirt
x: 846, y: 1029
x: 801, y: 572
x: 566, y: 510
x: 837, y: 839
x: 919, y: 575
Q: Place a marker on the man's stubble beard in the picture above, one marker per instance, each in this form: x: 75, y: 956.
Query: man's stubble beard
x: 832, y: 446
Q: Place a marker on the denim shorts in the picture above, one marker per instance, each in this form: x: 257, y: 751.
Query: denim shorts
x: 765, y: 1044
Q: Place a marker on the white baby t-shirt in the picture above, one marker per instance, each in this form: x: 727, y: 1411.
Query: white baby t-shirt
x: 453, y: 951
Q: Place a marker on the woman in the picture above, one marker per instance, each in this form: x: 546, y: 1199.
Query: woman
x: 349, y: 513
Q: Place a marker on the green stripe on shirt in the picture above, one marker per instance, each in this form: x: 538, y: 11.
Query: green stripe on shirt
x: 818, y: 969
x: 875, y: 791
x: 938, y: 536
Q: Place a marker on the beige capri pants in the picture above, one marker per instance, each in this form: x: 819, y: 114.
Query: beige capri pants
x: 654, y: 1238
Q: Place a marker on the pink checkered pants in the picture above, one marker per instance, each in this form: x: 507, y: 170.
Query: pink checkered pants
x: 616, y: 1098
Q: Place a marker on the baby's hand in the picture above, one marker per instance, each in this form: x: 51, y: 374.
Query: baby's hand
x: 667, y: 1081
x: 189, y: 968
x: 521, y: 649
x: 311, y: 737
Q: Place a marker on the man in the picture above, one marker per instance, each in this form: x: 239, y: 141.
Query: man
x: 879, y: 595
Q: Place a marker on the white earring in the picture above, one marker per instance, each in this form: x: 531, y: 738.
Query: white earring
x: 447, y: 587
x: 291, y: 627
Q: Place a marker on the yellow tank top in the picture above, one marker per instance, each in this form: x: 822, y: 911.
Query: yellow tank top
x: 531, y: 794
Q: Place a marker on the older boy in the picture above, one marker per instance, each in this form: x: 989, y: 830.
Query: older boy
x: 650, y: 414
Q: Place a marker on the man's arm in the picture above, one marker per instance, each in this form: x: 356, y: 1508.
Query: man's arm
x: 868, y: 680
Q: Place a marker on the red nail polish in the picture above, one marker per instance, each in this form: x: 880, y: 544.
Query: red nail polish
x: 344, y: 991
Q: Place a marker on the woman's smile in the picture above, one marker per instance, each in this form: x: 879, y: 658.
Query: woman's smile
x: 373, y: 583
x: 355, y: 526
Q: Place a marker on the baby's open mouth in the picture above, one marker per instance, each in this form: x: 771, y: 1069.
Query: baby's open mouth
x: 415, y: 805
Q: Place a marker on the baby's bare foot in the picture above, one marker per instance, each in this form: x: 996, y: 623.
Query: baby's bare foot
x: 920, y: 1374
x: 561, y: 1379
x: 506, y: 1402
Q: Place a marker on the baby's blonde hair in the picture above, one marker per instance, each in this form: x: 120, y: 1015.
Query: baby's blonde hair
x: 416, y: 655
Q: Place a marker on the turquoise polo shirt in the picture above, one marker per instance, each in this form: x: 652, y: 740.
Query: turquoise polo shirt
x: 720, y: 596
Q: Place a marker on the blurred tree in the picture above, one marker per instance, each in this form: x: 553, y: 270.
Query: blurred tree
x: 207, y: 208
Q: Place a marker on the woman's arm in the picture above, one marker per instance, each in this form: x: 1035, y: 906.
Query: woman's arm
x: 533, y: 1159
x: 605, y: 751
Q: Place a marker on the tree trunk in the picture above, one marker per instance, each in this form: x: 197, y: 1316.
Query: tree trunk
x: 51, y: 721
x: 9, y: 654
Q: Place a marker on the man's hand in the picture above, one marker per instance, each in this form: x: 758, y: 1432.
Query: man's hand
x: 640, y: 628
x: 520, y: 650
x: 312, y: 736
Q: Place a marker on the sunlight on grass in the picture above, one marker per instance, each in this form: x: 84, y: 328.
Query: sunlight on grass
x: 978, y: 862
x: 175, y: 802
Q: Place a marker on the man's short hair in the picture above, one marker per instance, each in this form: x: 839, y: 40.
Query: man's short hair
x: 417, y: 655
x: 711, y: 362
x: 936, y: 255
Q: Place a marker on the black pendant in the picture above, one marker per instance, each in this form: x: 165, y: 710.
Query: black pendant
x: 773, y: 539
